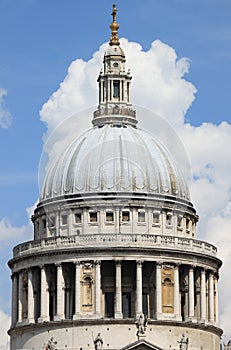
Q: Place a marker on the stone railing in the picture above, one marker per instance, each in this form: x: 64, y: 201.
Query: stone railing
x: 111, y: 240
x: 115, y: 110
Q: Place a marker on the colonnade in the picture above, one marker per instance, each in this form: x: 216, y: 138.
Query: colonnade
x: 191, y: 292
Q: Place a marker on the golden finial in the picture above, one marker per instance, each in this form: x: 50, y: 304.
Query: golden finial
x: 114, y: 40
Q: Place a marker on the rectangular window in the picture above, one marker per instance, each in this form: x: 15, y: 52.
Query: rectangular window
x: 141, y: 216
x: 168, y: 219
x: 125, y: 216
x: 64, y: 219
x: 116, y: 88
x: 78, y: 218
x: 109, y: 216
x: 179, y: 221
x: 156, y: 218
x: 44, y: 223
x: 187, y: 223
x: 93, y: 216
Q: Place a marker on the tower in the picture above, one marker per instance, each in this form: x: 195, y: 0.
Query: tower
x: 115, y: 262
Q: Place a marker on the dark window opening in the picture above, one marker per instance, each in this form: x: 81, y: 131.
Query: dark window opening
x: 156, y: 218
x: 141, y: 216
x: 179, y: 221
x: 78, y: 218
x: 64, y: 219
x: 109, y: 304
x: 125, y: 216
x: 44, y: 223
x: 93, y: 217
x: 126, y: 304
x: 116, y: 88
x: 145, y: 304
x: 109, y: 216
x: 169, y: 219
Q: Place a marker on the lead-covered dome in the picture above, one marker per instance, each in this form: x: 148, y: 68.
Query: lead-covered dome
x: 115, y: 155
x: 113, y: 158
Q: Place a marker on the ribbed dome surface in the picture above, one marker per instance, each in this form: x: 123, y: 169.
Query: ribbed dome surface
x: 114, y: 50
x: 113, y: 158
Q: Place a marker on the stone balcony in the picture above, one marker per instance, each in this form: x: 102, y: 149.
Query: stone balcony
x: 113, y: 241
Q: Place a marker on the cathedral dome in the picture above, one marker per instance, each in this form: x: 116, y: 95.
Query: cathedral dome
x: 113, y: 158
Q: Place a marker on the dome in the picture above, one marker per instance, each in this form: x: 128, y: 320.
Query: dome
x: 117, y: 158
x: 114, y: 50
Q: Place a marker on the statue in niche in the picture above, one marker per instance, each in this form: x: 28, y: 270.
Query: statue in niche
x: 141, y: 325
x: 183, y: 343
x: 98, y: 342
x: 51, y: 345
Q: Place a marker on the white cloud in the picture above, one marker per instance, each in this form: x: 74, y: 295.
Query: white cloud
x: 207, y: 146
x: 159, y: 84
x: 4, y: 326
x: 10, y: 234
x: 5, y: 116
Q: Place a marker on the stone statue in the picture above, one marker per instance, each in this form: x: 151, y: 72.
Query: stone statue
x: 98, y: 342
x: 51, y: 345
x: 183, y: 343
x: 141, y: 325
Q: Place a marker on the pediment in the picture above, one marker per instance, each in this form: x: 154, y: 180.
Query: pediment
x: 141, y: 345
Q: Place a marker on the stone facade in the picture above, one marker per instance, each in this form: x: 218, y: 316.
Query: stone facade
x: 123, y: 266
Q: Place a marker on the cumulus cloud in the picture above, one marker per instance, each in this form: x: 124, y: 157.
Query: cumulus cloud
x: 5, y: 116
x: 4, y: 326
x: 159, y: 84
x: 10, y: 234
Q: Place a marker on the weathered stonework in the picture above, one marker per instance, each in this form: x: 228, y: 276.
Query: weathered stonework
x: 115, y: 243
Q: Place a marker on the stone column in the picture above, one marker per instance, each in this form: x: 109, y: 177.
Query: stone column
x: 176, y: 293
x: 191, y: 292
x: 30, y: 298
x: 97, y: 288
x: 60, y: 294
x: 118, y: 297
x: 57, y: 223
x: 139, y: 308
x: 203, y: 296
x: 216, y: 299
x: 14, y: 300
x: 158, y: 291
x: 44, y: 313
x: 211, y: 297
x: 70, y: 222
x: 77, y: 291
x: 20, y: 286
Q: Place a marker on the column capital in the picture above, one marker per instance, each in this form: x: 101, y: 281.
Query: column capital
x: 139, y: 262
x: 77, y: 263
x: 58, y: 265
x: 177, y: 265
x: 118, y: 262
x: 159, y: 264
x: 13, y: 276
x: 212, y: 272
x: 97, y: 262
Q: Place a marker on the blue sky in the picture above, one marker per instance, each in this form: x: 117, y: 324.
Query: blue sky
x: 40, y: 38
